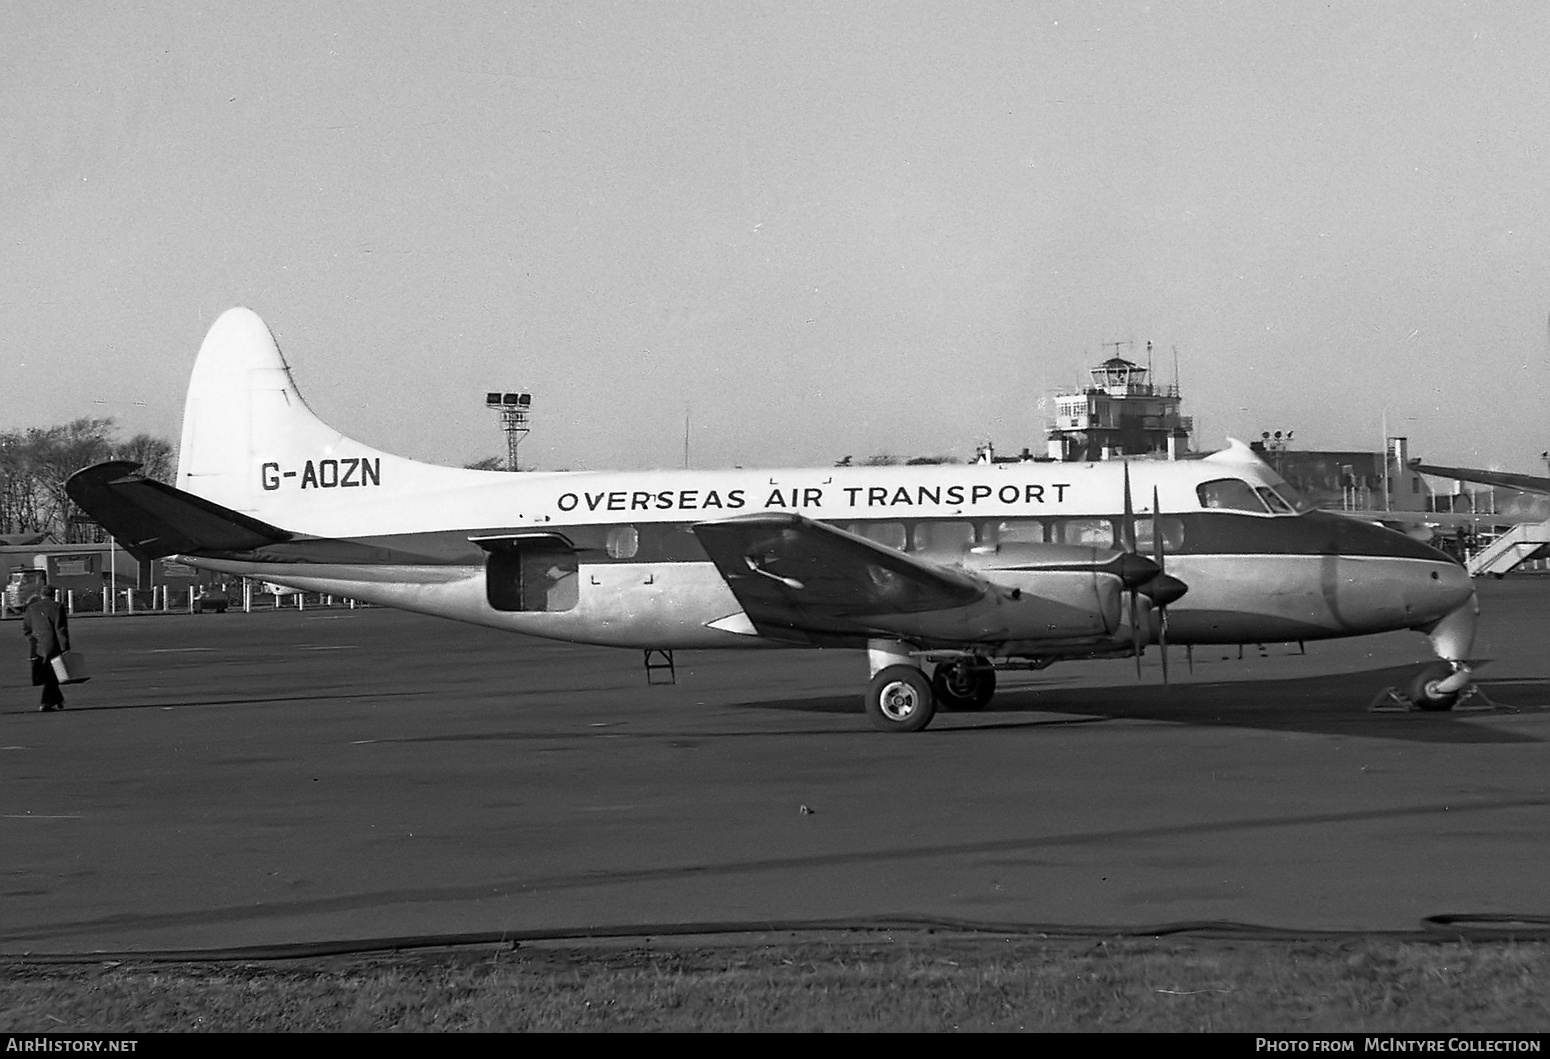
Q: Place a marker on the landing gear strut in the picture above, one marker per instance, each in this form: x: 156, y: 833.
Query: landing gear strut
x: 967, y: 684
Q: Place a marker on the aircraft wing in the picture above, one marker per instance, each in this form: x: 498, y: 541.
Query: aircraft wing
x: 803, y: 581
x: 1428, y: 519
x: 152, y: 520
x: 1528, y: 483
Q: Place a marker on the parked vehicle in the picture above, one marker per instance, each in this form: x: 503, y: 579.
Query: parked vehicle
x: 211, y: 597
x: 20, y: 587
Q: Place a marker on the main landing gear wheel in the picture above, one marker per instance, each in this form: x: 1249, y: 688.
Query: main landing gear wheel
x: 1422, y: 688
x: 899, y: 699
x: 964, y: 685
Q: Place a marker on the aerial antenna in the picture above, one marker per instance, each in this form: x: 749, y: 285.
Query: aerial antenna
x: 686, y: 437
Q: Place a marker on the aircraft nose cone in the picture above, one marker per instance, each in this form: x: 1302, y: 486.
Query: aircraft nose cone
x: 1456, y: 615
x: 1448, y: 587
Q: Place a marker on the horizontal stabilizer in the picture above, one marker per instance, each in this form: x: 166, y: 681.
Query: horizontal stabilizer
x: 795, y: 577
x: 152, y: 520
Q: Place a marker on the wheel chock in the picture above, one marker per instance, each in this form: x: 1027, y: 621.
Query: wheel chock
x: 1391, y: 700
x: 1472, y: 699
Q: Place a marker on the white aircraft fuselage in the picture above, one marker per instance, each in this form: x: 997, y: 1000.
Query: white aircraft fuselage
x: 990, y: 562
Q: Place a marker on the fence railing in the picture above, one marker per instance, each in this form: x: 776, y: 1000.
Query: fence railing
x: 167, y: 599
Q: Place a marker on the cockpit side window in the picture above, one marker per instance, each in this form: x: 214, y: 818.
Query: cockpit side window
x: 1287, y: 493
x: 1230, y: 494
x: 1274, y: 502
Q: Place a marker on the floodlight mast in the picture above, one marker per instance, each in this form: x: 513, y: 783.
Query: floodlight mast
x: 514, y: 409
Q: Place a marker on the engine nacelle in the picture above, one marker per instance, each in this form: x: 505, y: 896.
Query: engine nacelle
x: 1046, y: 594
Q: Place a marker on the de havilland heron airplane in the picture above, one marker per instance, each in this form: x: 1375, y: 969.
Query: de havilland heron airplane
x: 942, y: 574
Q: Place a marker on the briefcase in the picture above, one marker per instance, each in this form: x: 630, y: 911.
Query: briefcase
x: 70, y: 668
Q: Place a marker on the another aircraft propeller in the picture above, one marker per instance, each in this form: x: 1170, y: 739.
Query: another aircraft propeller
x: 1128, y: 539
x: 1148, y: 577
x: 1162, y: 607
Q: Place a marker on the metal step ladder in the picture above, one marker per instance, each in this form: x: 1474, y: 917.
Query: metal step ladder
x: 1510, y: 549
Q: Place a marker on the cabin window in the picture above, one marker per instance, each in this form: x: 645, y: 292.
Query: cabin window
x: 888, y: 534
x: 1022, y: 531
x: 1172, y: 534
x: 623, y: 542
x: 534, y: 574
x: 666, y: 541
x: 943, y: 536
x: 1092, y: 532
x: 1230, y: 494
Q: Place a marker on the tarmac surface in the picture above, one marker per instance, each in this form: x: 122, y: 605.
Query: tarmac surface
x: 291, y: 777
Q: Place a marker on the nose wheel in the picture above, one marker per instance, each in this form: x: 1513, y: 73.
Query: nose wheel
x: 1427, y: 688
x: 1436, y: 688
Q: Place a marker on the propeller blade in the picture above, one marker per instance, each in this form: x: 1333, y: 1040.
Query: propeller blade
x: 1162, y: 605
x: 1135, y: 629
x: 1157, y: 537
x: 1128, y: 529
x: 1134, y: 568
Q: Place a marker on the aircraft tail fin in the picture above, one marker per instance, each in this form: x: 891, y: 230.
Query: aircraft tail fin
x: 251, y: 444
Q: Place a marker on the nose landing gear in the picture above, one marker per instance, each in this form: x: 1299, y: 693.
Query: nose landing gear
x: 1437, y: 687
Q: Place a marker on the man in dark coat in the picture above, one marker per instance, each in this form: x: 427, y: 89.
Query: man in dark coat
x: 48, y: 631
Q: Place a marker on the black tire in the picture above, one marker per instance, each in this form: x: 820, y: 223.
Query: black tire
x: 1426, y: 699
x: 899, y: 699
x: 963, y: 686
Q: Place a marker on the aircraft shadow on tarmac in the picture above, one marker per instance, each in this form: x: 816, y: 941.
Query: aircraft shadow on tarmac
x: 252, y: 700
x: 1328, y: 704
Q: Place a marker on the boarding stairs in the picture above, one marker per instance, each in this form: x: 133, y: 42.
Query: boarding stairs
x: 1510, y: 549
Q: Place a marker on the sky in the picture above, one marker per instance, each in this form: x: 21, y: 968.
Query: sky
x: 804, y: 230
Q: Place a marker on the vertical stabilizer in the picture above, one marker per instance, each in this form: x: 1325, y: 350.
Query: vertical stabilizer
x: 250, y: 443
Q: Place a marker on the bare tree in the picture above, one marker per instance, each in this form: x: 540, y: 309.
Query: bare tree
x: 36, y: 463
x: 154, y: 455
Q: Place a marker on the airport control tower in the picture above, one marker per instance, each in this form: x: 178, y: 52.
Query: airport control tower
x: 1120, y: 413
